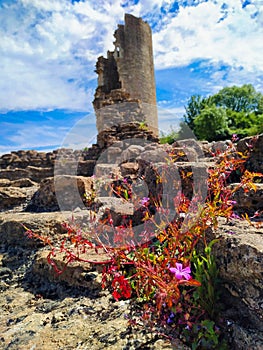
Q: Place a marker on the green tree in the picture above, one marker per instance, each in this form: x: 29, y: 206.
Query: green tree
x: 211, y: 124
x: 239, y: 99
x: 245, y: 124
x: 243, y: 107
x: 193, y: 109
x: 259, y: 126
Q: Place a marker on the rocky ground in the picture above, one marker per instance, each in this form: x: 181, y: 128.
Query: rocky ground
x: 37, y: 321
x: 40, y: 310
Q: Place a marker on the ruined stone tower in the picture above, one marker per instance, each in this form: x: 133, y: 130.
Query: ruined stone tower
x: 127, y: 75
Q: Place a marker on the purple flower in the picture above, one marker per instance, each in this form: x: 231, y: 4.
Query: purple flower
x: 144, y: 201
x: 235, y: 216
x: 170, y: 318
x: 181, y: 272
x: 231, y: 232
x: 235, y: 138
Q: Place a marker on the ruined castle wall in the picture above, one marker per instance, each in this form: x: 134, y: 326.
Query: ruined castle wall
x: 134, y: 57
x: 108, y: 77
x: 127, y: 75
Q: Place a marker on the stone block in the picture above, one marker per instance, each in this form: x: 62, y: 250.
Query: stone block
x: 12, y: 231
x: 63, y: 192
x: 249, y: 201
x: 11, y: 197
x: 253, y: 145
x: 239, y: 255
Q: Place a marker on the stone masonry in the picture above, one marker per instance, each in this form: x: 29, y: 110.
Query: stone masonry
x: 127, y: 76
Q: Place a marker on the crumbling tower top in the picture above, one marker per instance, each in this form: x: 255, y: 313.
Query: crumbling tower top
x: 134, y: 56
x: 127, y: 75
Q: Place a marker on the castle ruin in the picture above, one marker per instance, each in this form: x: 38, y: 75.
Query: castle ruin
x: 126, y: 90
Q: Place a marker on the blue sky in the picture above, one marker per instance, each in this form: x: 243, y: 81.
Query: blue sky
x: 49, y: 48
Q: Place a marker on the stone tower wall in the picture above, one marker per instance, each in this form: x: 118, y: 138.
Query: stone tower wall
x: 134, y: 57
x: 127, y: 75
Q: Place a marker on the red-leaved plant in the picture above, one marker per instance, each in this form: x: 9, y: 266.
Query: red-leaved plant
x: 162, y: 273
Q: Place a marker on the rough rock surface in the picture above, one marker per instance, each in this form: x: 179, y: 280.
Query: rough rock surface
x: 40, y: 310
x: 118, y: 132
x: 239, y: 256
x: 15, y: 198
x: 255, y: 160
x: 62, y: 192
x: 17, y: 183
x: 12, y: 232
x: 10, y: 197
x: 249, y: 201
x: 30, y: 321
x: 31, y: 172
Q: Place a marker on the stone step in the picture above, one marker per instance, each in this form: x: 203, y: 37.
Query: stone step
x: 62, y: 192
x: 12, y: 231
x: 15, y: 198
x: 76, y: 274
x: 24, y: 182
x: 33, y: 173
x: 117, y: 205
x: 13, y: 238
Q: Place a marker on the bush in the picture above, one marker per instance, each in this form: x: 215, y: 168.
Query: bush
x: 244, y: 113
x: 169, y: 137
x: 211, y: 124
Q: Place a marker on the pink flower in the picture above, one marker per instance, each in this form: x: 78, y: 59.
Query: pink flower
x: 235, y: 138
x: 235, y: 216
x: 145, y: 201
x: 181, y: 272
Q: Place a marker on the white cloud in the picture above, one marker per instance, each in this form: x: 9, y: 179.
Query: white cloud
x: 169, y: 117
x: 35, y: 134
x: 32, y: 136
x: 49, y: 48
x: 211, y: 31
x: 32, y: 133
x: 48, y: 52
x: 41, y: 86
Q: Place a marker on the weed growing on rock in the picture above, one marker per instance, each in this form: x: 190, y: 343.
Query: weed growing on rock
x: 167, y: 266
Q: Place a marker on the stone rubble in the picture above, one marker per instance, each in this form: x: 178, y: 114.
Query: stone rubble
x: 40, y: 310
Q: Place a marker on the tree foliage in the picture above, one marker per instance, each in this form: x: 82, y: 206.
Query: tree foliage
x: 239, y: 99
x: 193, y: 109
x: 211, y: 124
x: 233, y: 110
